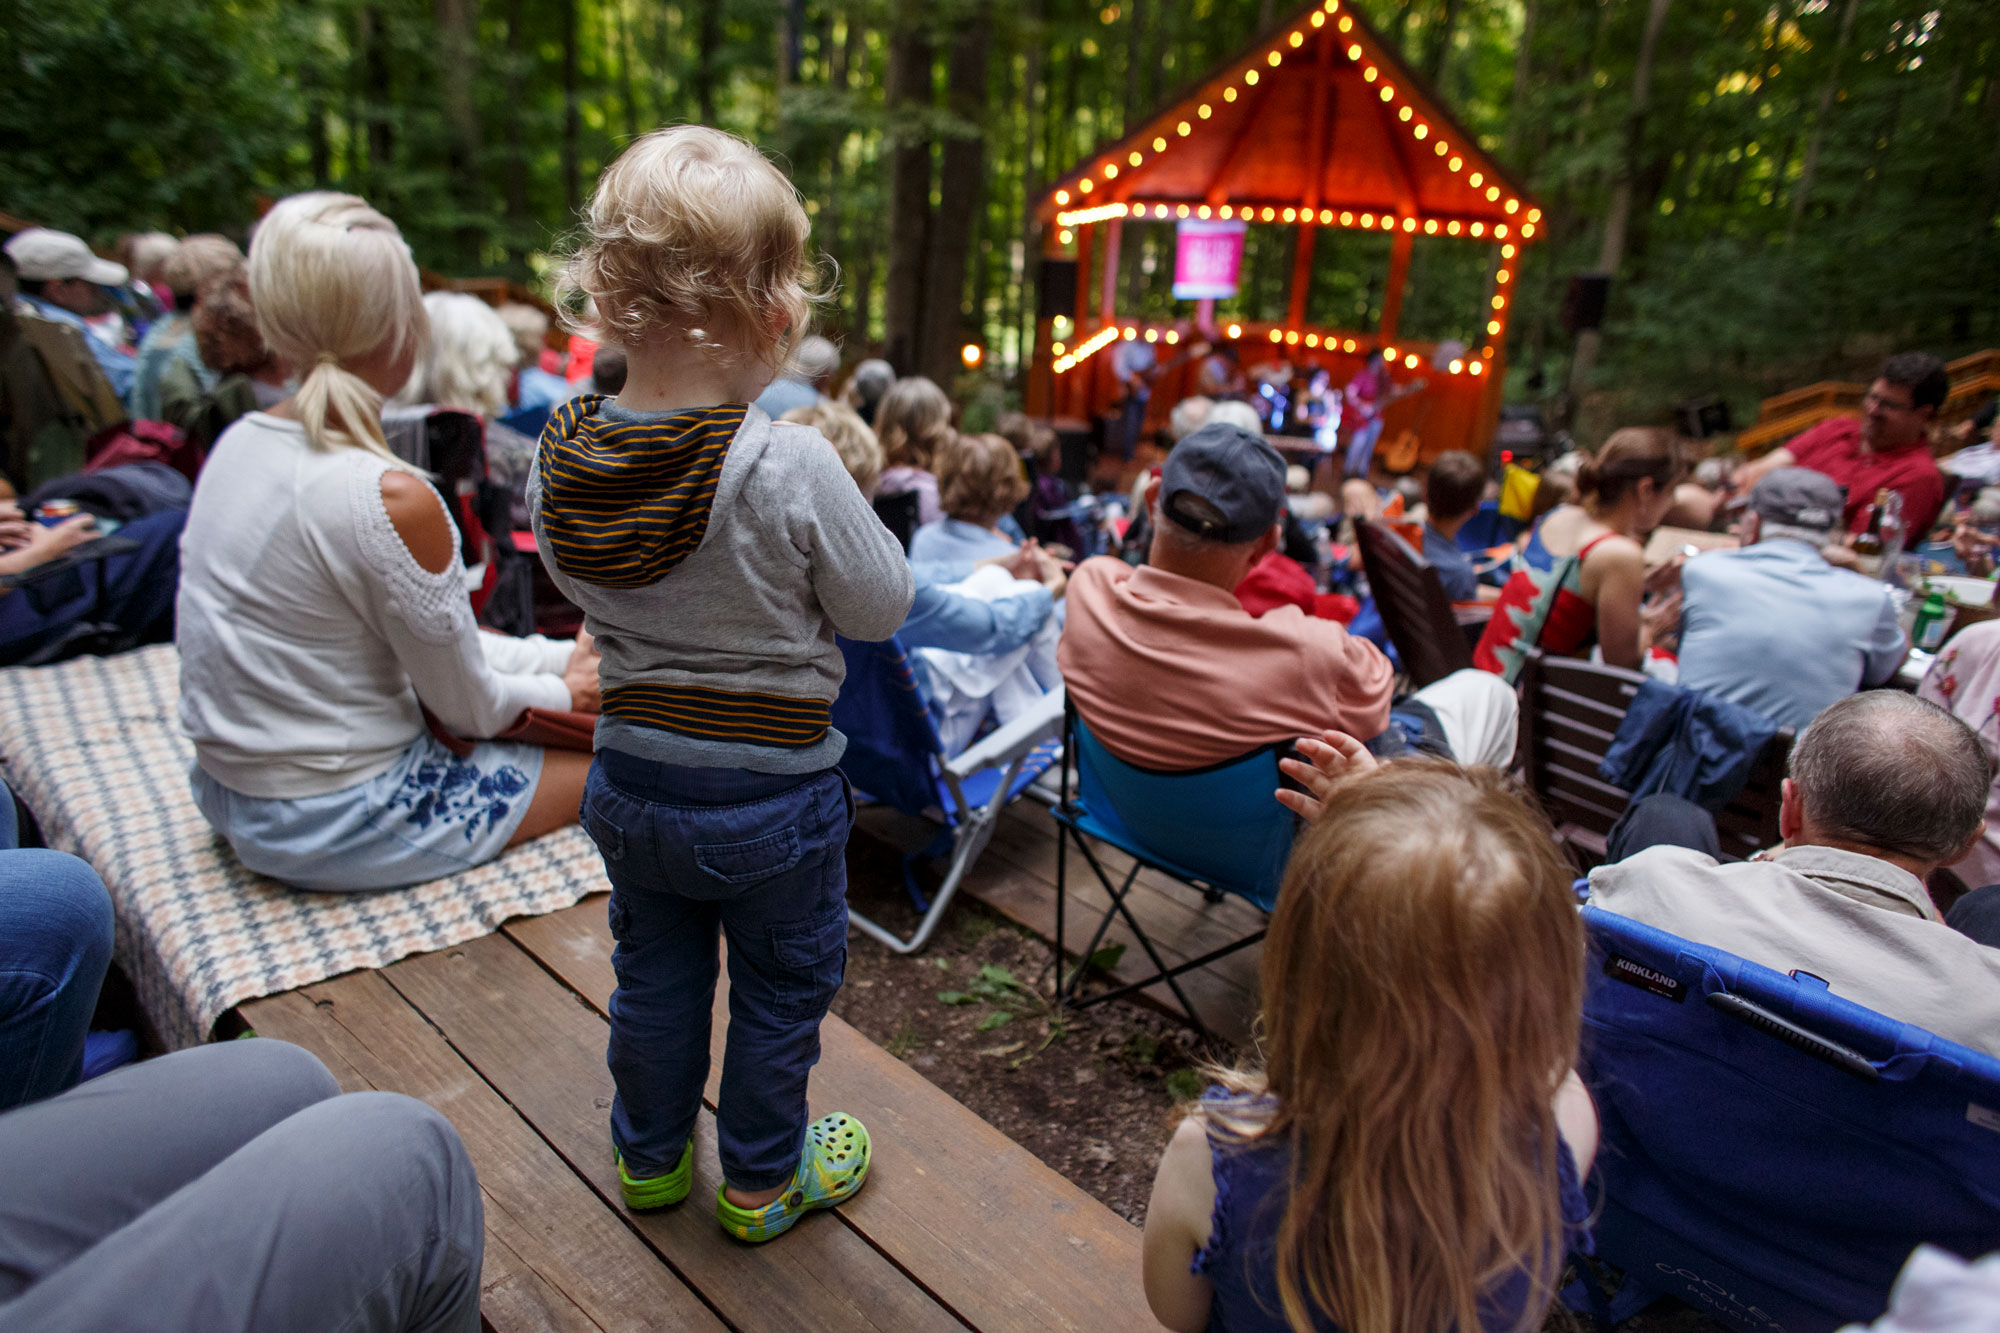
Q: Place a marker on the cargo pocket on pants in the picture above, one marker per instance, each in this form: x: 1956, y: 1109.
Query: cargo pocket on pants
x: 812, y: 960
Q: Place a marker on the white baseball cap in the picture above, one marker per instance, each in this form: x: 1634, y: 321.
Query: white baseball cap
x: 42, y: 255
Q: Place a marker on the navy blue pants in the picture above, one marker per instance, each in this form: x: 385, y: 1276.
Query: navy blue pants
x: 55, y: 946
x: 132, y: 591
x: 695, y: 855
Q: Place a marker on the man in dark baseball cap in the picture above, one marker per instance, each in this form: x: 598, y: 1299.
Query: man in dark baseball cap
x: 1223, y: 484
x: 1773, y: 626
x: 1170, y: 672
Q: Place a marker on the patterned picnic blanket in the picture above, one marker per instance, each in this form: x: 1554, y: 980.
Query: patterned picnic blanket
x: 94, y: 748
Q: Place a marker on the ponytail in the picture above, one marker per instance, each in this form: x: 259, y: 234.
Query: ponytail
x: 339, y: 410
x: 332, y: 281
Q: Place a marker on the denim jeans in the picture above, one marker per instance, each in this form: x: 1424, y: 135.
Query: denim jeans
x: 694, y: 853
x: 55, y: 945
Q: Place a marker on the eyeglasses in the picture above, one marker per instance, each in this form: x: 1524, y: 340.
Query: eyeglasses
x: 1871, y: 401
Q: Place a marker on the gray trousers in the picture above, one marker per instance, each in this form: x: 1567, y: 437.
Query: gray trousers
x: 231, y: 1188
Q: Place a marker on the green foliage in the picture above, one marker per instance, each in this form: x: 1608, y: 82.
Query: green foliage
x: 481, y: 126
x: 1185, y: 1085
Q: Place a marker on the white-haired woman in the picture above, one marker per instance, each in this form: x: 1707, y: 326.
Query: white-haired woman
x: 466, y: 366
x: 322, y: 604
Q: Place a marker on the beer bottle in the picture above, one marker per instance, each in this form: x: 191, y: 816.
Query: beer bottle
x: 1869, y: 546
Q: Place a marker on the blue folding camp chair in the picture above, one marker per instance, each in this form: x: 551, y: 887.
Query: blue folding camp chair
x: 1217, y: 829
x: 894, y: 758
x: 1771, y: 1153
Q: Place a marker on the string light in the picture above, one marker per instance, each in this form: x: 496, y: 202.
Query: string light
x: 1346, y: 23
x: 1152, y: 335
x: 1290, y: 215
x: 1422, y: 130
x: 1097, y: 342
x: 1430, y: 227
x: 1298, y: 39
x: 1369, y: 74
x: 1135, y: 159
x: 1085, y: 185
x: 1250, y: 77
x: 1229, y: 94
x: 1318, y: 19
x: 1202, y: 212
x: 1312, y: 340
x: 1172, y: 337
x: 1062, y: 196
x: 1412, y: 361
x: 1159, y: 145
x: 1353, y: 49
x: 1184, y: 129
x: 1065, y: 236
x: 1181, y: 212
x: 1512, y: 206
x: 1236, y: 330
x: 1204, y: 112
x: 1111, y: 171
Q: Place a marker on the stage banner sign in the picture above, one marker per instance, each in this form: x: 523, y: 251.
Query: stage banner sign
x: 1208, y: 256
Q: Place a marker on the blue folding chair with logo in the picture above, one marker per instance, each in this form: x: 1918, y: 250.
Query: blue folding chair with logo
x: 1771, y: 1153
x: 894, y: 757
x: 1217, y: 829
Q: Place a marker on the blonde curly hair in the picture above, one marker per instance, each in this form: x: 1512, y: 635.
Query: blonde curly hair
x: 693, y: 233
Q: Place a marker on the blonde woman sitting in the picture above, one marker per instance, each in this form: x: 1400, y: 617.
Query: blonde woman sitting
x: 323, y: 605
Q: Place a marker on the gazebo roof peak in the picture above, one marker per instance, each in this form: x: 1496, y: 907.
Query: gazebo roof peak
x: 1318, y: 120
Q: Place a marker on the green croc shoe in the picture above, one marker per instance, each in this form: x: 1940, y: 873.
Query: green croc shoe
x: 834, y: 1166
x: 657, y: 1191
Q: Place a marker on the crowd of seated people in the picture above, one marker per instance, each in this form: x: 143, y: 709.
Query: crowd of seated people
x: 347, y: 718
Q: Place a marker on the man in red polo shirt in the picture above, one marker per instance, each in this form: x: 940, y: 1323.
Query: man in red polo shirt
x: 1888, y: 445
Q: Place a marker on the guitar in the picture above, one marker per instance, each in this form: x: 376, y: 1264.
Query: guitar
x: 1400, y: 454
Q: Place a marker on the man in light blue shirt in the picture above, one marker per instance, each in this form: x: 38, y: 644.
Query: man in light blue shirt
x: 63, y: 282
x: 1773, y: 626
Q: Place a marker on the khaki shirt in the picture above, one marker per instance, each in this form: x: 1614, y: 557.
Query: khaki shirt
x: 1866, y: 927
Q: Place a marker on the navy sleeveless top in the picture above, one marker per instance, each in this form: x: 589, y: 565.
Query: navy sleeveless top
x: 1252, y: 1181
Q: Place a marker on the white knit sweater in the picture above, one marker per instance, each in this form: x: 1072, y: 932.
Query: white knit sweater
x: 308, y: 632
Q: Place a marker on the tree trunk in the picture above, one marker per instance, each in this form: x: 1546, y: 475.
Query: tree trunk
x: 319, y: 149
x: 1135, y: 62
x: 514, y: 187
x: 572, y: 177
x: 1809, y: 166
x: 708, y: 49
x: 458, y: 55
x: 377, y: 95
x: 908, y: 96
x: 959, y: 176
x: 627, y: 95
x: 1609, y: 255
x: 791, y: 32
x: 1027, y: 290
x: 1438, y: 49
x: 1524, y: 67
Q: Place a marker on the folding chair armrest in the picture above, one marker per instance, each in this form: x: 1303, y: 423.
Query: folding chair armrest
x: 1018, y: 737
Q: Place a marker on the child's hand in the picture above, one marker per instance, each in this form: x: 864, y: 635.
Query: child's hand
x: 1336, y: 758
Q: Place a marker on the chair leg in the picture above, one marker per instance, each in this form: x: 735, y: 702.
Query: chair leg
x: 1068, y: 986
x: 1118, y: 907
x: 971, y: 841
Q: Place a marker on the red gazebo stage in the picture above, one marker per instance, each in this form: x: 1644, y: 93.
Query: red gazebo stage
x: 1318, y: 124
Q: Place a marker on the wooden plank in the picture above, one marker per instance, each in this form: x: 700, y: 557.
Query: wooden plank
x: 544, y: 1052
x: 557, y: 1257
x: 996, y: 1235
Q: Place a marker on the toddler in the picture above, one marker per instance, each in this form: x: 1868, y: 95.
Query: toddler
x: 714, y: 554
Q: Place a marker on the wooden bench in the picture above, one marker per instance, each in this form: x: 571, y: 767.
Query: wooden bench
x: 1570, y: 711
x: 959, y: 1227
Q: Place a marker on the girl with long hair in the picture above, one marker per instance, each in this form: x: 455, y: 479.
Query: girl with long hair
x: 1581, y: 576
x: 1407, y: 1156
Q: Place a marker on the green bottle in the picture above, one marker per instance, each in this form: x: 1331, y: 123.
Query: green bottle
x: 1932, y: 621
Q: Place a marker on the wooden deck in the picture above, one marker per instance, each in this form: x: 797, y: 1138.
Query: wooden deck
x: 959, y: 1227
